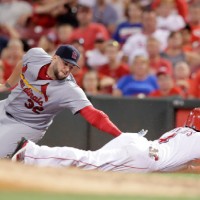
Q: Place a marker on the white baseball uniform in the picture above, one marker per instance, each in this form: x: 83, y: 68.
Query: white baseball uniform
x: 129, y: 152
x: 30, y: 108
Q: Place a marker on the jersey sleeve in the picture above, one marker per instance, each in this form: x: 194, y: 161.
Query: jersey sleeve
x: 37, y: 56
x: 74, y: 98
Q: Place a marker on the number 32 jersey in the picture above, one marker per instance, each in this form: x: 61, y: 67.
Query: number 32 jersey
x: 35, y: 102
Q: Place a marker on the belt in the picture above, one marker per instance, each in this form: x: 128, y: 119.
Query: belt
x: 9, y: 115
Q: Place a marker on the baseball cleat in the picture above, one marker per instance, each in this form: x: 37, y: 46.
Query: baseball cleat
x: 18, y: 155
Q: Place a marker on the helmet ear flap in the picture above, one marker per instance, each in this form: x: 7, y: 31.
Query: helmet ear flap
x: 193, y: 120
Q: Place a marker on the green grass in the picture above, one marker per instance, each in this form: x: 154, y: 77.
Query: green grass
x: 48, y: 196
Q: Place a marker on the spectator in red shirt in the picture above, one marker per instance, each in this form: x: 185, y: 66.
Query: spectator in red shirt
x: 194, y: 21
x: 91, y: 83
x: 196, y: 50
x: 87, y: 29
x: 45, y: 12
x: 41, y: 21
x: 155, y: 60
x: 1, y: 73
x: 11, y: 55
x: 63, y: 33
x: 195, y: 91
x: 166, y: 85
x: 186, y: 33
x: 182, y: 78
x: 115, y: 69
x: 47, y: 42
x: 79, y: 73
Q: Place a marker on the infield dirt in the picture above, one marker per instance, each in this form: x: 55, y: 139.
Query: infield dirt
x: 20, y: 177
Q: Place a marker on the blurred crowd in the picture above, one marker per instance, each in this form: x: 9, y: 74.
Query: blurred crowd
x: 136, y: 48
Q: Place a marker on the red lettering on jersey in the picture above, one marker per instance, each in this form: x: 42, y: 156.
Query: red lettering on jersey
x: 35, y: 109
x: 29, y: 92
x: 166, y: 139
x: 22, y: 83
x: 30, y: 104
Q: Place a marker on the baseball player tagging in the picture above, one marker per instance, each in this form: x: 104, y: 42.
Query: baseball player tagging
x: 45, y: 86
x: 130, y: 152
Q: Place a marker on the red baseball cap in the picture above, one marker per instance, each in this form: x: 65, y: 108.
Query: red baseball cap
x: 163, y: 70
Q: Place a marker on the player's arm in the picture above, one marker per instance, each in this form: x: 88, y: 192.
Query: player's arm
x: 13, y: 79
x: 194, y: 166
x: 99, y: 120
x: 191, y: 167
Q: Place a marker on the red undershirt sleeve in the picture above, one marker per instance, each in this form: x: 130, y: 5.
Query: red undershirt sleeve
x: 99, y: 120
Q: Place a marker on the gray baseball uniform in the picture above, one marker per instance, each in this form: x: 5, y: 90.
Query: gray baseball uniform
x: 30, y: 108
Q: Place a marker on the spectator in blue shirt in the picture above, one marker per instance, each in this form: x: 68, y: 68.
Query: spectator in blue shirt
x: 130, y: 27
x: 140, y: 82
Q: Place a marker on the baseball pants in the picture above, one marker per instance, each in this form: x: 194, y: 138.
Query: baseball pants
x: 11, y: 132
x: 128, y: 152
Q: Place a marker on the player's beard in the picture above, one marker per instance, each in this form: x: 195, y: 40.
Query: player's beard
x: 56, y: 73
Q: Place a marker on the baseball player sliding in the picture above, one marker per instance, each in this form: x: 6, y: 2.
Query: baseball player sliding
x: 45, y: 86
x: 130, y: 152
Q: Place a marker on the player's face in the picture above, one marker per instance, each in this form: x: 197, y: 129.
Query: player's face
x: 62, y: 69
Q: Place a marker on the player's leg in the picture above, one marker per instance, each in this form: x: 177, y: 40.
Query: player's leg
x: 129, y: 158
x: 66, y: 156
x: 11, y: 133
x: 10, y: 137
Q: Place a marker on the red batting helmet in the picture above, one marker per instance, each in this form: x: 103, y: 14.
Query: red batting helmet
x: 193, y: 120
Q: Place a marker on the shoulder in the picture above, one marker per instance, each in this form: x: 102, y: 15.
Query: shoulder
x: 36, y: 55
x: 35, y: 51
